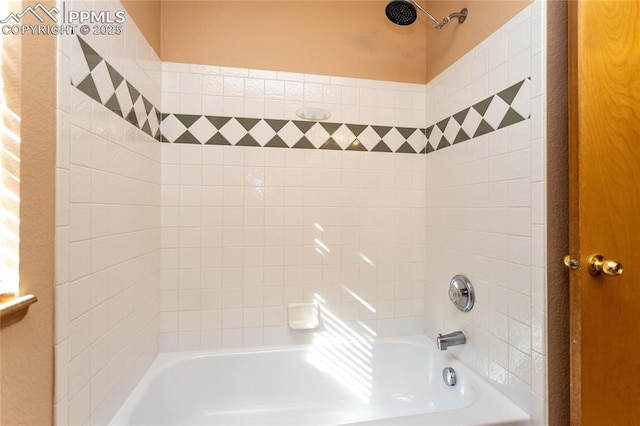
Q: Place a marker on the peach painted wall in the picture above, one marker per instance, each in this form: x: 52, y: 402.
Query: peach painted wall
x: 146, y: 14
x: 26, y: 394
x: 341, y: 38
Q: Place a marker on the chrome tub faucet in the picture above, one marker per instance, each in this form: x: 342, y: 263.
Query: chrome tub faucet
x: 443, y: 341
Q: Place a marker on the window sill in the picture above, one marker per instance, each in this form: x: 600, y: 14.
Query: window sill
x: 12, y: 304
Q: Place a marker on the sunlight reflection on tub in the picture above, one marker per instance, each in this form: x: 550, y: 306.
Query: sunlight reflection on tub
x: 339, y: 350
x: 343, y: 354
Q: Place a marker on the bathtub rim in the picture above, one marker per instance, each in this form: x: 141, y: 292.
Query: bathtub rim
x: 486, y: 395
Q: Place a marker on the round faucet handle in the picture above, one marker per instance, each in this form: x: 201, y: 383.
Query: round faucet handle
x: 461, y: 293
x: 455, y: 294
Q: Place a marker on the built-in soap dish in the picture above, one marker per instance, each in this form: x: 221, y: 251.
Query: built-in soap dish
x: 303, y: 316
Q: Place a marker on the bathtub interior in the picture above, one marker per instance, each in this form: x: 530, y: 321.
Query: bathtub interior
x: 319, y: 384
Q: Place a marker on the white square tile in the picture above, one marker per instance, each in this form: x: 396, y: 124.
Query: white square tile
x: 170, y: 103
x: 498, y: 78
x: 212, y: 85
x: 213, y: 155
x: 537, y: 203
x: 520, y: 221
x: 313, y: 92
x: 369, y: 138
x: 496, y: 112
x: 519, y: 164
x: 175, y: 67
x: 520, y: 250
x: 190, y: 103
x: 520, y: 278
x: 233, y: 131
x: 189, y: 341
x: 170, y: 82
x: 171, y: 128
x: 290, y: 133
x: 538, y: 374
x: 520, y: 307
x: 332, y: 94
x: 538, y: 247
x: 403, y: 100
x: 499, y: 325
x: 538, y: 331
x: 317, y: 135
x: 80, y: 407
x: 190, y: 154
x: 254, y: 107
x: 190, y: 174
x: 274, y: 109
x: 202, y: 129
x: 519, y: 38
x: 520, y: 67
x: 168, y: 342
x: 499, y: 351
x: 190, y: 83
x: 520, y: 365
x: 520, y: 336
x: 294, y: 91
x: 519, y: 193
x: 393, y: 139
x: 538, y: 160
x: 81, y: 109
x: 498, y: 52
x: 274, y: 89
x: 232, y: 71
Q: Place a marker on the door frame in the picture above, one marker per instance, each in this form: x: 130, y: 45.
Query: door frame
x: 557, y: 211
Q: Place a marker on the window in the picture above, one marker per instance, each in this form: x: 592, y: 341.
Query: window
x: 9, y: 161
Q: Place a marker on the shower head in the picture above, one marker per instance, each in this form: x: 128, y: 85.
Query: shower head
x: 403, y: 12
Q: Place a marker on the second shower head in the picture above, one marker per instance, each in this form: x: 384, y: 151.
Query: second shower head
x: 403, y: 12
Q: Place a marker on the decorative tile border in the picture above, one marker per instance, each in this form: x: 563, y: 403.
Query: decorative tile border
x: 501, y: 110
x: 214, y: 130
x: 100, y: 81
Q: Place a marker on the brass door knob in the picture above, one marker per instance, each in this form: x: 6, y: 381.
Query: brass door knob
x: 598, y: 264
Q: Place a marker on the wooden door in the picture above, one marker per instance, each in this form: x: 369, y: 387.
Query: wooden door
x: 604, y: 126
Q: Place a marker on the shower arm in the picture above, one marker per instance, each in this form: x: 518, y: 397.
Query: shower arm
x: 462, y: 15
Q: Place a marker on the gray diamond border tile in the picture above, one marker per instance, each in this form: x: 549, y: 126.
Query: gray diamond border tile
x: 87, y: 86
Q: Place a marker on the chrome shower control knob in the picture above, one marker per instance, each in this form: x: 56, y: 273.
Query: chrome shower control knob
x: 461, y: 293
x: 455, y: 294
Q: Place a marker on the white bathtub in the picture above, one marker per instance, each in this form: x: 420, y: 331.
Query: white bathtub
x: 388, y: 382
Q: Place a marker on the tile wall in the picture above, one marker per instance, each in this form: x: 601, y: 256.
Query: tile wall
x: 485, y: 214
x: 107, y: 224
x: 248, y: 229
x: 240, y: 92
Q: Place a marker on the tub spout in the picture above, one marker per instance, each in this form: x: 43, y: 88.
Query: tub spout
x: 452, y: 339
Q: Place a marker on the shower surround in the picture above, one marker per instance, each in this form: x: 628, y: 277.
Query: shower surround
x: 486, y: 212
x: 107, y: 222
x: 329, y: 212
x: 193, y: 206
